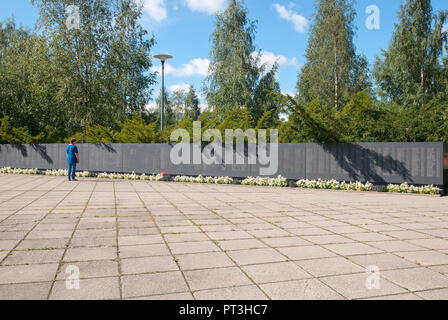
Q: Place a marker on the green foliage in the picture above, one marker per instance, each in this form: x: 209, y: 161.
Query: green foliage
x: 333, y: 71
x: 236, y: 76
x: 101, y: 70
x: 361, y: 122
x: 410, y: 72
x: 236, y: 118
x: 191, y: 103
x: 95, y: 134
x: 135, y: 130
x: 169, y: 113
x: 16, y: 135
x: 94, y: 83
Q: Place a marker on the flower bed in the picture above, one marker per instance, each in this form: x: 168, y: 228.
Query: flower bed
x: 406, y: 188
x: 249, y: 181
x: 9, y: 170
x: 131, y: 176
x: 334, y: 185
x: 201, y: 179
x: 266, y: 182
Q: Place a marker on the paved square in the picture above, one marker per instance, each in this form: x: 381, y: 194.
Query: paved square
x: 163, y: 241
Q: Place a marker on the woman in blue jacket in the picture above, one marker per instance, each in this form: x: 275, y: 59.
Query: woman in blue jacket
x: 72, y: 160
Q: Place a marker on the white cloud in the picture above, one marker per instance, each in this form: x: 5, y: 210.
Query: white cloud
x: 156, y: 9
x: 175, y: 5
x: 179, y: 87
x: 196, y: 67
x: 445, y: 27
x: 270, y: 58
x: 207, y: 6
x: 300, y: 22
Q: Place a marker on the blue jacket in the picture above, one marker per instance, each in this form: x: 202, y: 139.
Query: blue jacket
x: 71, y: 151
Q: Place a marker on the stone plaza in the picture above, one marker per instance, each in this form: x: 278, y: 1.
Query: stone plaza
x: 105, y: 239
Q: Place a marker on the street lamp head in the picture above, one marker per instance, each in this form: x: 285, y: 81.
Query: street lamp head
x: 163, y: 57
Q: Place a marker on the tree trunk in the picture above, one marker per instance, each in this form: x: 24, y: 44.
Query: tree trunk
x: 336, y: 77
x: 422, y: 77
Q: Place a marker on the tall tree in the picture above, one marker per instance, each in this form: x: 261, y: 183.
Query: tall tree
x: 178, y: 103
x: 169, y: 113
x: 192, y: 109
x: 235, y: 72
x: 27, y: 83
x: 333, y: 71
x: 409, y: 73
x: 102, y: 64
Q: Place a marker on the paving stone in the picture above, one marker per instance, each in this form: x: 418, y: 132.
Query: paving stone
x: 153, y: 284
x: 203, y: 260
x: 327, y: 239
x: 3, y: 254
x: 12, y: 235
x: 272, y: 233
x: 193, y: 247
x: 286, y: 242
x: 403, y: 296
x: 229, y: 235
x: 353, y: 286
x: 435, y: 244
x: 28, y: 273
x: 352, y: 248
x: 185, y: 237
x: 86, y: 254
x: 440, y: 294
x: 89, y: 289
x: 8, y: 244
x: 144, y: 250
x: 90, y: 269
x: 241, y: 244
x: 440, y: 269
x: 394, y: 246
x: 275, y: 272
x: 95, y: 233
x: 308, y: 231
x: 91, y: 242
x: 307, y: 289
x: 148, y: 265
x: 138, y: 231
x: 306, y: 252
x: 384, y: 261
x: 216, y: 278
x: 425, y: 258
x: 254, y: 256
x: 234, y: 293
x: 136, y: 240
x: 368, y: 236
x: 50, y: 234
x: 25, y: 291
x: 179, y: 229
x: 329, y: 266
x: 406, y: 235
x: 167, y: 297
x: 34, y: 256
x: 333, y: 240
x: 345, y: 229
x: 417, y: 279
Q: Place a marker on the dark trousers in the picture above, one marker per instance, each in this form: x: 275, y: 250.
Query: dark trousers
x: 72, y: 171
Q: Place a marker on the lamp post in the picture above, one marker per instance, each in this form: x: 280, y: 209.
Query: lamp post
x: 163, y: 58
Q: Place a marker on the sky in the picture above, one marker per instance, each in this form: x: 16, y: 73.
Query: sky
x: 183, y: 28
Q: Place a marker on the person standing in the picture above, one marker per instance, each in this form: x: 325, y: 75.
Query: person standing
x: 72, y: 160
